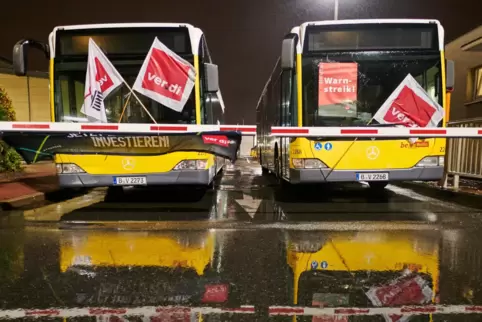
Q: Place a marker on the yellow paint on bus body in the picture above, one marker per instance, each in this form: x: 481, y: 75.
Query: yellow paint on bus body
x: 112, y: 164
x: 353, y: 155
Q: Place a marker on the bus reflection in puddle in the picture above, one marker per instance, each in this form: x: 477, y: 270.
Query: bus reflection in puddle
x: 110, y: 269
x: 363, y: 269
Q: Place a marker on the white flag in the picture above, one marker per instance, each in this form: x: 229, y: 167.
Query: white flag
x: 165, y: 77
x: 101, y: 79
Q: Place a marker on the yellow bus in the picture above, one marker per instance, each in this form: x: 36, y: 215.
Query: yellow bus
x: 338, y: 269
x: 140, y: 268
x: 126, y: 46
x: 370, y: 59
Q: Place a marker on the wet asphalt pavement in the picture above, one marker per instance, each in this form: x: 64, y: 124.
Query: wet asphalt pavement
x: 240, y: 250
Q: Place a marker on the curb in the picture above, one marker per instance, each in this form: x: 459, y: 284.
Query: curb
x: 22, y: 201
x: 462, y: 198
x: 40, y: 199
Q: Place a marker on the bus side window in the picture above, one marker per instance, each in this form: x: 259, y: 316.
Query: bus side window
x: 288, y: 97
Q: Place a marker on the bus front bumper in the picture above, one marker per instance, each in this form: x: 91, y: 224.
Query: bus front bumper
x: 181, y: 177
x: 329, y: 175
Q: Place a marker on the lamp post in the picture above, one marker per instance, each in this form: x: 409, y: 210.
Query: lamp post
x: 336, y: 9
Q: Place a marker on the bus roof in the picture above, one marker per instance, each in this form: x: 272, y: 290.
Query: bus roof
x: 194, y: 33
x: 369, y: 21
x: 124, y: 25
x: 303, y: 26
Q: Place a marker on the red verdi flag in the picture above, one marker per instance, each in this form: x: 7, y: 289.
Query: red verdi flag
x: 411, y: 106
x: 337, y: 89
x: 165, y: 77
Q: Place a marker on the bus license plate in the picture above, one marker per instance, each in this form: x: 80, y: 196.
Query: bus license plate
x: 130, y: 181
x: 372, y: 176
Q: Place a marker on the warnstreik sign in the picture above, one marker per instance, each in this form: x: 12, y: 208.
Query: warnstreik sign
x: 39, y: 146
x: 337, y: 89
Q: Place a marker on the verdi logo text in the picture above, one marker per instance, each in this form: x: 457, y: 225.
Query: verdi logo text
x: 165, y: 75
x: 173, y: 88
x: 220, y: 140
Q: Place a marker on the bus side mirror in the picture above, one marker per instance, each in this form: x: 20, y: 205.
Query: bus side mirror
x: 450, y: 75
x: 288, y: 49
x: 20, y: 54
x: 212, y: 77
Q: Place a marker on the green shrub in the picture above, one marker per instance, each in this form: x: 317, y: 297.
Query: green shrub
x: 10, y: 160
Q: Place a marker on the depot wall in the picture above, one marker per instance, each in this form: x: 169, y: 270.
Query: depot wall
x: 247, y: 143
x: 466, y: 52
x: 29, y: 94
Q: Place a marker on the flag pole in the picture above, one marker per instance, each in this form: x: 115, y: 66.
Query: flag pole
x: 125, y: 106
x: 138, y: 99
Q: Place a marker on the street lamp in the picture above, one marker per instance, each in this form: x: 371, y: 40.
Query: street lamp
x: 336, y: 9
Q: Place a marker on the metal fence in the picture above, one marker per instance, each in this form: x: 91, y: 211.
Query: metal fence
x: 463, y: 157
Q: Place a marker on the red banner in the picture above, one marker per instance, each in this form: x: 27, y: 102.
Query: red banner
x: 165, y: 77
x: 337, y: 83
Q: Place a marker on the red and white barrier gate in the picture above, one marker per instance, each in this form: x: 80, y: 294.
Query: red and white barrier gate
x: 148, y: 311
x: 377, y: 132
x: 247, y: 130
x: 404, y: 310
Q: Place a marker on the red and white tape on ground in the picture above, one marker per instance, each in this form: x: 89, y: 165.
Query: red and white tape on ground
x: 374, y: 132
x: 404, y: 310
x: 121, y: 127
x: 104, y: 311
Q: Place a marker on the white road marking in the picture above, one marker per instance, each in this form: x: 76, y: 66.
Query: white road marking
x: 414, y: 195
x: 249, y: 204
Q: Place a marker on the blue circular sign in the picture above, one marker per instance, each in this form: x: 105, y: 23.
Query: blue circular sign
x: 314, y: 265
x: 324, y: 264
x: 318, y: 146
x: 328, y: 146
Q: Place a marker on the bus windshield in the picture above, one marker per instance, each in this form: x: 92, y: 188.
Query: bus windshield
x: 126, y: 49
x: 375, y: 74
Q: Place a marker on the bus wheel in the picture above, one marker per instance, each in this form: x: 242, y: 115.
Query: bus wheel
x: 378, y: 185
x: 276, y: 162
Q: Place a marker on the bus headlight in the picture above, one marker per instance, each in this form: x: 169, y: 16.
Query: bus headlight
x: 428, y: 162
x: 305, y: 247
x: 66, y: 168
x: 441, y: 161
x: 191, y: 165
x: 308, y: 164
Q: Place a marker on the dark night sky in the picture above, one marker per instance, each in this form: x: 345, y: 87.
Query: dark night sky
x: 243, y: 36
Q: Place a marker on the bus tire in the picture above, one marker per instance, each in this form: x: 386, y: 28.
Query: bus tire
x: 276, y: 162
x: 378, y: 185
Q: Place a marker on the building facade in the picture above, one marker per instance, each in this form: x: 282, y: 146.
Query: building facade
x: 29, y: 95
x: 466, y: 52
